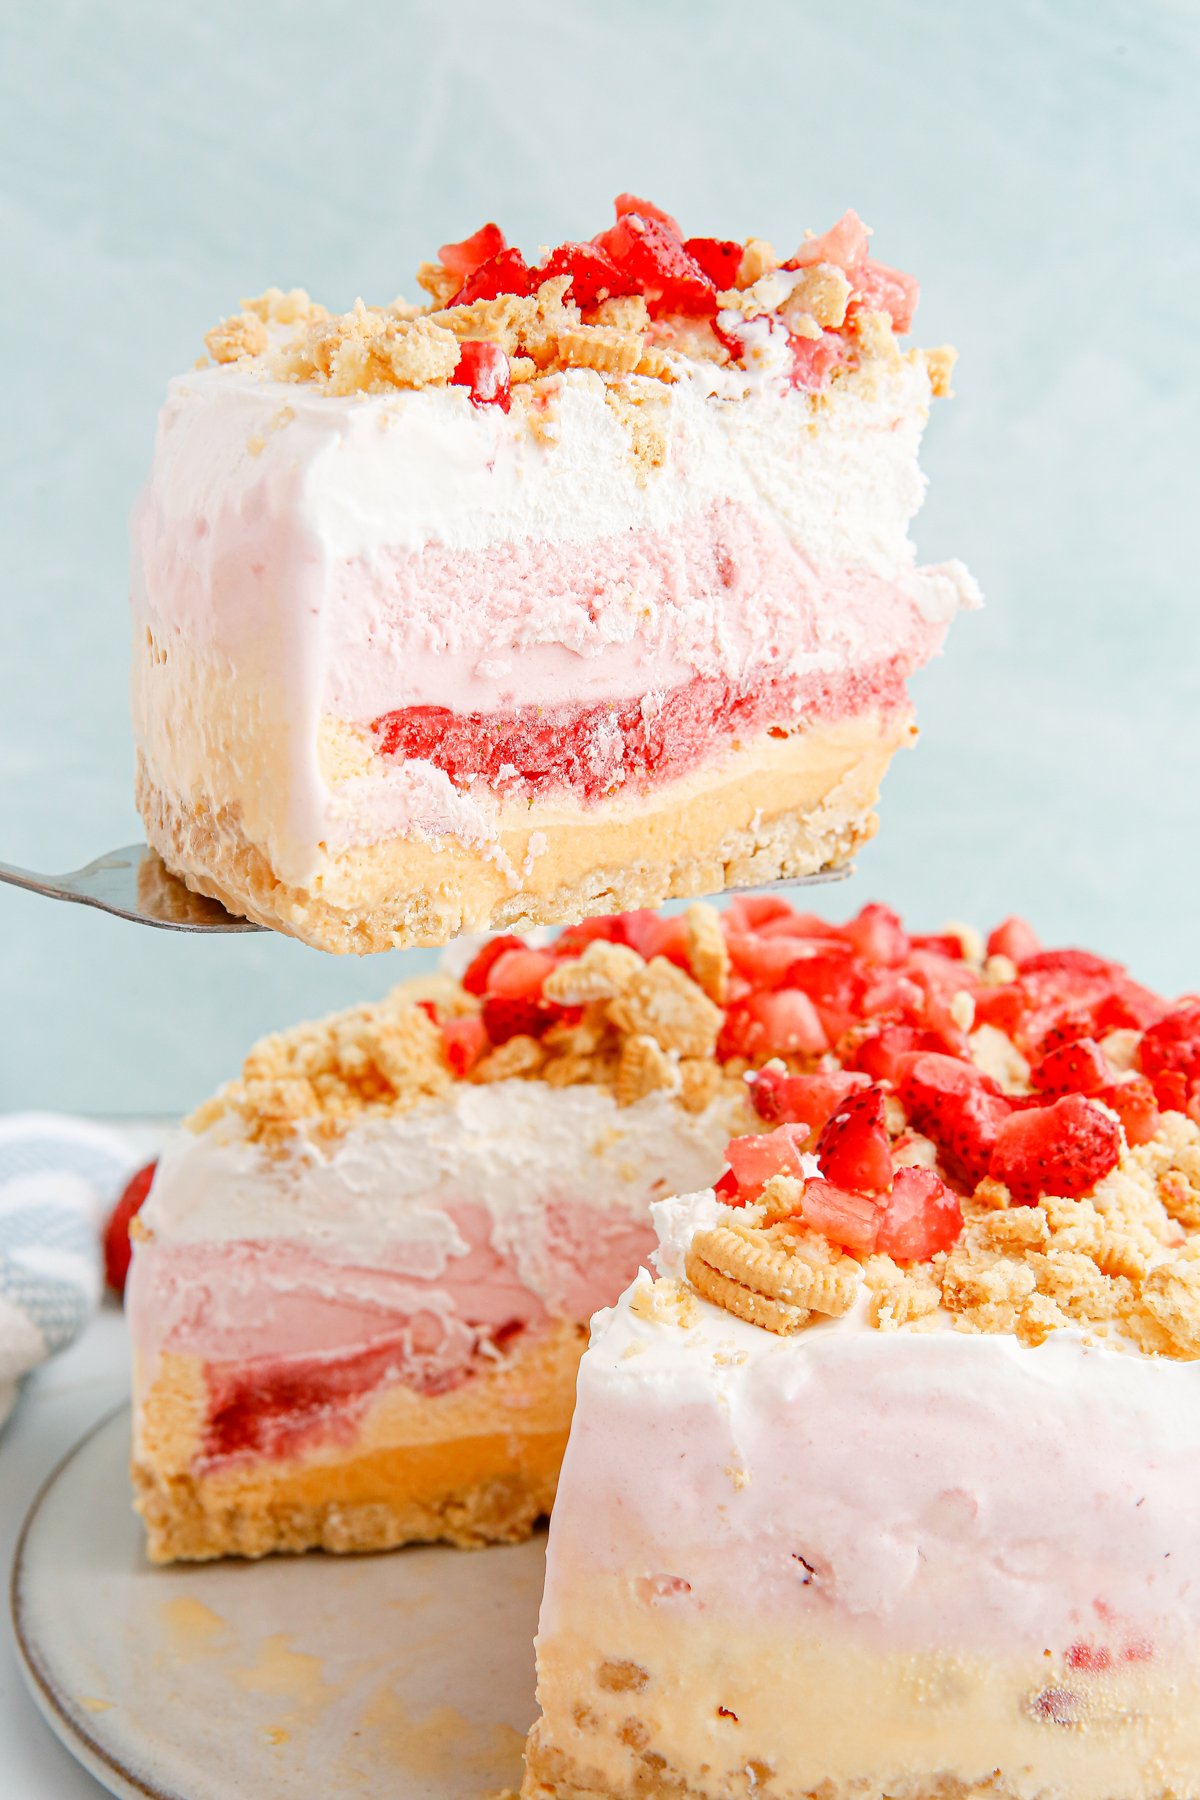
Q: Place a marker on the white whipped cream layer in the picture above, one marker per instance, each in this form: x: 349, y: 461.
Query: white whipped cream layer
x: 916, y: 1490
x: 516, y: 1148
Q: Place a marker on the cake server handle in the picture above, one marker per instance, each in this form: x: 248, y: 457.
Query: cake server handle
x: 131, y: 883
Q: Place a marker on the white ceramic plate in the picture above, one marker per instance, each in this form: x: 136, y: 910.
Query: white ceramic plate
x: 393, y: 1677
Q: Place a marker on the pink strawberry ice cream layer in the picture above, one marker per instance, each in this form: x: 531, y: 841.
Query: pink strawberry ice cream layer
x: 671, y: 648
x: 724, y: 595
x: 288, y: 1335
x: 413, y: 1250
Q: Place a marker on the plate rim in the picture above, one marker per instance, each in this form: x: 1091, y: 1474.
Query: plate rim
x: 49, y: 1699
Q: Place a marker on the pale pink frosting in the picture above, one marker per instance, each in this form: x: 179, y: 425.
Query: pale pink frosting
x: 925, y: 1491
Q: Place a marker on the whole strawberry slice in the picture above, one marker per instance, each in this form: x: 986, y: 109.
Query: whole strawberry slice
x: 1061, y: 1149
x: 854, y: 1149
x: 117, y: 1251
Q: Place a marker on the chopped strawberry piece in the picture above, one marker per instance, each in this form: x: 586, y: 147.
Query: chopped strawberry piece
x: 765, y: 958
x: 720, y: 258
x: 505, y: 273
x: 780, y: 1023
x: 844, y: 245
x: 920, y: 1216
x: 1063, y: 1149
x: 477, y: 970
x: 842, y: 1216
x: 463, y: 1043
x: 576, y: 937
x: 629, y: 203
x: 665, y: 937
x: 1060, y: 1000
x: 835, y: 981
x: 1173, y: 1044
x: 755, y: 912
x: 1073, y: 962
x: 741, y: 1034
x: 754, y: 1159
x: 878, y: 288
x: 726, y: 1188
x: 653, y: 257
x: 814, y: 359
x: 1136, y: 1105
x: 117, y: 1251
x: 941, y: 981
x: 1015, y: 938
x: 940, y: 943
x: 892, y: 993
x: 463, y: 259
x: 805, y: 925
x: 594, y: 274
x: 931, y: 1074
x: 959, y: 1107
x: 889, y: 1051
x: 1173, y: 1091
x: 519, y: 974
x: 642, y: 931
x: 854, y: 1149
x: 1002, y: 1006
x: 808, y: 1100
x: 1078, y: 1067
x: 429, y: 1008
x: 877, y: 935
x: 512, y: 1015
x: 483, y: 369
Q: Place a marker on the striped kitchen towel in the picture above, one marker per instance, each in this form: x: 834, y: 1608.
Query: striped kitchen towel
x: 58, y: 1178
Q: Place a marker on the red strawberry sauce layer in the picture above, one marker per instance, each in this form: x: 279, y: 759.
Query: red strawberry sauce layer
x: 596, y: 749
x: 278, y: 1407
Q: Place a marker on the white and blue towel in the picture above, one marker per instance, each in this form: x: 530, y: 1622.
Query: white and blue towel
x: 59, y: 1177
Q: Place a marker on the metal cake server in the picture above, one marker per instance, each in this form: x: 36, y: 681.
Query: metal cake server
x: 135, y: 883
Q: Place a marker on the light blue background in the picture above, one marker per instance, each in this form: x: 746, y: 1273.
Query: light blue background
x: 1034, y: 163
